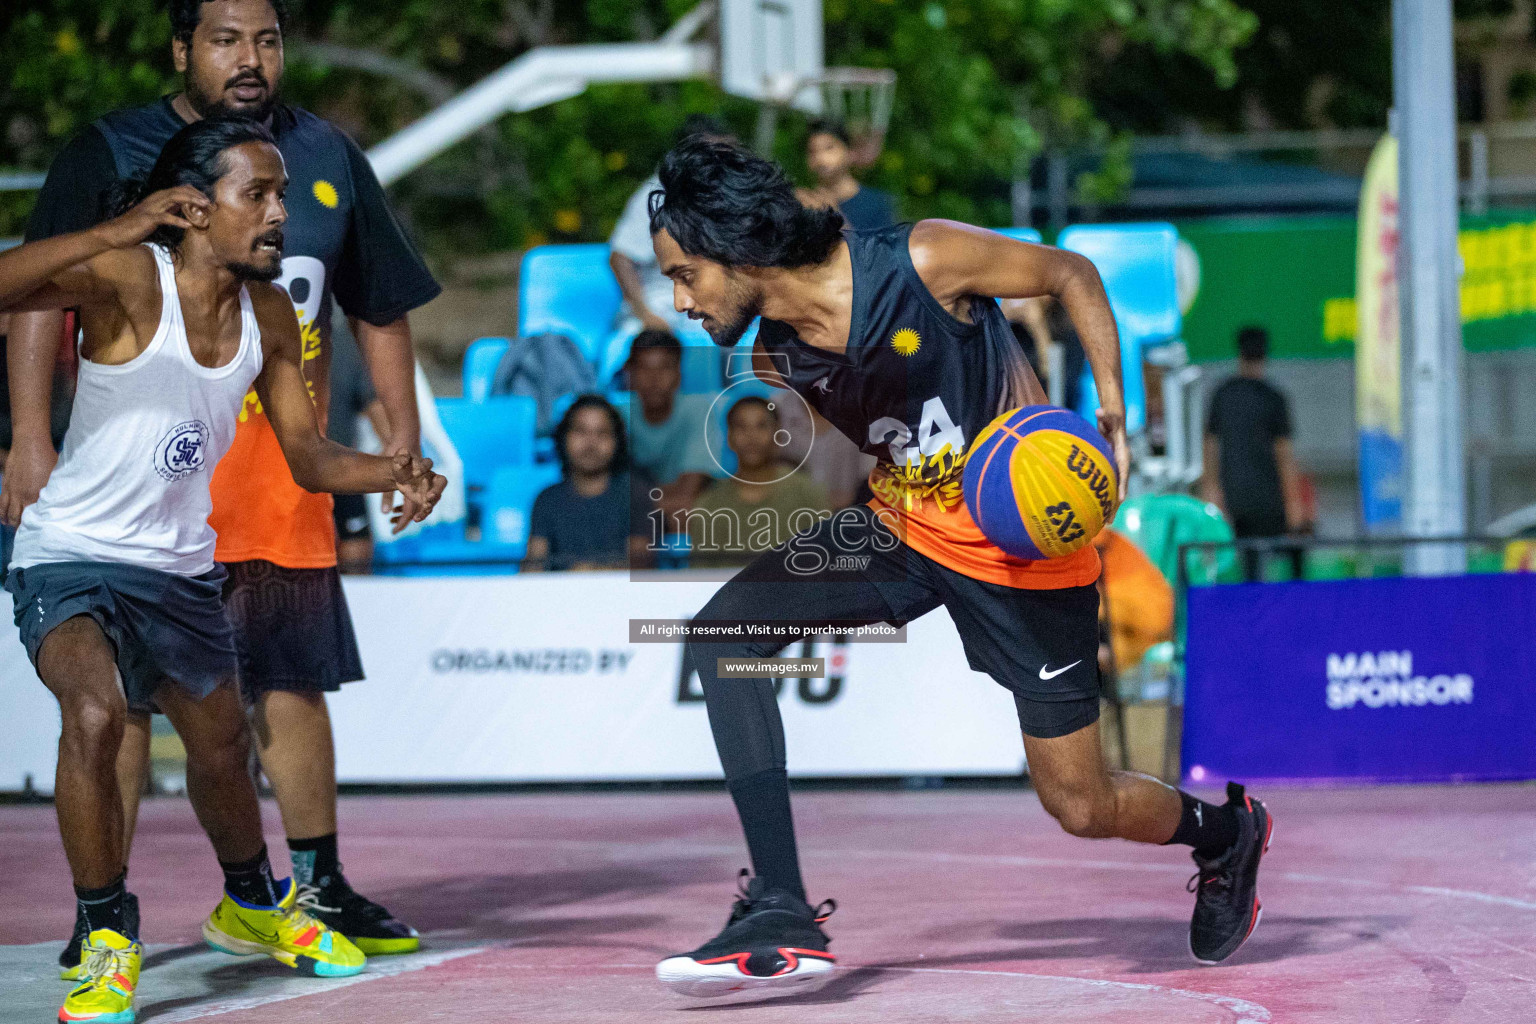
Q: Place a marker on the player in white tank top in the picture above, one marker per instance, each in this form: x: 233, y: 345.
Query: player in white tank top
x: 132, y: 481
x: 114, y: 578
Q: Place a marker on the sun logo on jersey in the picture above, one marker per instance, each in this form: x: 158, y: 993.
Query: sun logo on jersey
x: 325, y: 193
x: 906, y: 341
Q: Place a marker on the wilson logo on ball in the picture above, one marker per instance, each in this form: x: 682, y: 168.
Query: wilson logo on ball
x: 1040, y: 482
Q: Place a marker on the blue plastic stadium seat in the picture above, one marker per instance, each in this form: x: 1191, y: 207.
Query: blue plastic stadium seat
x: 443, y: 550
x: 1136, y: 262
x: 480, y: 362
x: 508, y: 505
x: 496, y: 432
x: 568, y: 289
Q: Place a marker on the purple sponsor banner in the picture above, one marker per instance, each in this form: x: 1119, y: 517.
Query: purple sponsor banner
x: 1388, y: 680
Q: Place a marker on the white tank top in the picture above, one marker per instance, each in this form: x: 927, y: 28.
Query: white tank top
x: 132, y: 481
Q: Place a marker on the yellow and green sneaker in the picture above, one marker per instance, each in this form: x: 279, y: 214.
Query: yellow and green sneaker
x: 286, y: 933
x: 109, y: 968
x: 72, y: 959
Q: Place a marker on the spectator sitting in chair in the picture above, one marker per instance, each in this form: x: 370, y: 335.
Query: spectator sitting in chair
x: 765, y: 502
x: 1250, y: 470
x: 829, y: 155
x: 647, y: 291
x: 666, y: 430
x: 598, y: 517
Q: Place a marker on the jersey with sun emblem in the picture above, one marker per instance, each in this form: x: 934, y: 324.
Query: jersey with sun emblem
x: 914, y: 388
x: 340, y: 239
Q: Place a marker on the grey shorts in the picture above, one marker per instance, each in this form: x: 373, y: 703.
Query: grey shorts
x: 164, y: 626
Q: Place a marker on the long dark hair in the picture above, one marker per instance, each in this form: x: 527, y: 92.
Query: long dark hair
x: 193, y: 156
x: 620, y: 461
x: 727, y: 204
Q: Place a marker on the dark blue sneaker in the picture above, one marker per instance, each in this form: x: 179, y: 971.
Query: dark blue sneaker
x: 773, y: 941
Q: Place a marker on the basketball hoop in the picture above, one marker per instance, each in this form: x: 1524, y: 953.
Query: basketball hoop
x: 860, y: 100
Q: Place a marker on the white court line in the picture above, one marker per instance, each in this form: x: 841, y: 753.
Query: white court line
x: 1485, y: 967
x: 674, y: 847
x: 1497, y: 942
x: 377, y: 969
x: 1247, y: 1012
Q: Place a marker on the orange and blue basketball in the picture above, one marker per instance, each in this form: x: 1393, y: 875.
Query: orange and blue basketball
x: 1040, y: 482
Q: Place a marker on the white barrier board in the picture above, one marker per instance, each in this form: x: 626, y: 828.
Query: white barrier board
x: 534, y: 678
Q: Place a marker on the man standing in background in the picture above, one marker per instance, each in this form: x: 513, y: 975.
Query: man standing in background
x: 1250, y: 469
x: 293, y: 632
x: 829, y: 155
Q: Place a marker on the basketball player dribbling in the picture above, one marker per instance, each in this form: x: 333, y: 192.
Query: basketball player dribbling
x: 117, y: 594
x: 896, y: 338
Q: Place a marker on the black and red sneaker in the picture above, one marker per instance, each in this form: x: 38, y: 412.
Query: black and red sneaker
x: 773, y: 940
x: 1226, y: 888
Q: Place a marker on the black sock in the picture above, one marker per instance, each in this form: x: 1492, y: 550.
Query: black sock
x: 105, y: 907
x: 250, y: 881
x: 762, y: 800
x: 314, y: 861
x: 1212, y: 829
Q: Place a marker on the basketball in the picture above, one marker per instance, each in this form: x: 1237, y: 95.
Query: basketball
x: 1040, y: 482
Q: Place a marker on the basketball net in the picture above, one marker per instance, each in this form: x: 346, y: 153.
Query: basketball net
x: 860, y: 99
x: 857, y: 98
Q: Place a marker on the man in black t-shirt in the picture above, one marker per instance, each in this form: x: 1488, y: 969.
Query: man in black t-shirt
x: 829, y: 155
x: 598, y: 517
x: 293, y: 631
x: 1250, y: 470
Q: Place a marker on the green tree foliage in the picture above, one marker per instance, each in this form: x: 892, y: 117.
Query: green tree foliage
x: 983, y: 84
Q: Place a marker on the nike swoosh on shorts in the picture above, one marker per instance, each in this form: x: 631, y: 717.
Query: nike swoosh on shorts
x: 1052, y: 675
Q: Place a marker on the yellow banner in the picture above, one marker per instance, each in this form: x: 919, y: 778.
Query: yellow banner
x: 1378, y: 391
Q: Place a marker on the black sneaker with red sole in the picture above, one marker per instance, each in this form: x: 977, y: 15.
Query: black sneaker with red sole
x: 1226, y: 888
x: 772, y: 941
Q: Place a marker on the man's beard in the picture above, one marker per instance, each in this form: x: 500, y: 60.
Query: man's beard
x: 251, y: 272
x: 727, y: 331
x: 208, y: 106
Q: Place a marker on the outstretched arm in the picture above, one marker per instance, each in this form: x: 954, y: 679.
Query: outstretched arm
x: 316, y: 462
x: 957, y: 261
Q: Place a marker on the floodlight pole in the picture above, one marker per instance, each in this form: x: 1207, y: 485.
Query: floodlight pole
x: 1423, y: 88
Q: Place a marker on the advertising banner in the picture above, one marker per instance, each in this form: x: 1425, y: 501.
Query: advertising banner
x: 1378, y: 348
x: 1295, y: 276
x: 570, y: 677
x: 540, y: 677
x: 1376, y: 680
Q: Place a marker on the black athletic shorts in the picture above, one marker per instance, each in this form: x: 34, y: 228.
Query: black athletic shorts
x: 163, y: 625
x: 292, y: 629
x: 351, y: 514
x: 1043, y: 645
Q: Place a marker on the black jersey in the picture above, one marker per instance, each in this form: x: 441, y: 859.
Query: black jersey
x: 914, y: 388
x: 915, y: 385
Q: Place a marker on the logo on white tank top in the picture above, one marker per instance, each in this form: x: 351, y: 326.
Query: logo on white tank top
x: 182, y: 451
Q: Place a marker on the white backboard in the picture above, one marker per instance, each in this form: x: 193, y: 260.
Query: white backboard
x: 770, y: 49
